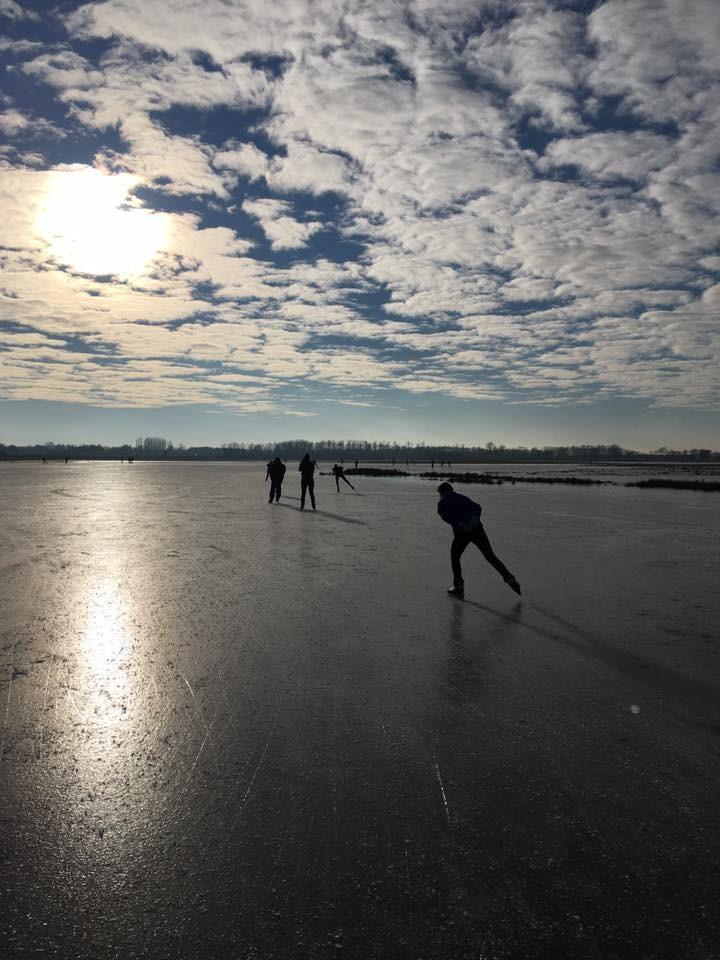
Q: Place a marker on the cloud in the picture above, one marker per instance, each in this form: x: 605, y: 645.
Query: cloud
x: 16, y: 47
x: 659, y: 56
x: 13, y: 122
x: 538, y: 60
x: 179, y: 25
x: 479, y: 200
x: 283, y: 231
x: 244, y: 158
x: 305, y: 167
x: 179, y: 165
x: 14, y: 11
x: 630, y: 156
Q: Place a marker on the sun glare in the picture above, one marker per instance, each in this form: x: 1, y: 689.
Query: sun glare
x: 104, y: 639
x: 88, y: 220
x: 105, y: 644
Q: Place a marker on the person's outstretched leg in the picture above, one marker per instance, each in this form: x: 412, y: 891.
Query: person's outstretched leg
x: 303, y: 491
x: 272, y: 491
x: 460, y: 541
x: 311, y: 488
x: 348, y: 483
x: 480, y: 539
x: 278, y: 491
x: 337, y: 484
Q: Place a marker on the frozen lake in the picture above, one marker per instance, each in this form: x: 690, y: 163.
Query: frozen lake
x: 235, y: 730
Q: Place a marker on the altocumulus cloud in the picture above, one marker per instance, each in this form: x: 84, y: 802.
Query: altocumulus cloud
x: 511, y: 200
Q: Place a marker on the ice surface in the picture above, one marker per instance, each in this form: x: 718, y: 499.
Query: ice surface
x: 230, y: 729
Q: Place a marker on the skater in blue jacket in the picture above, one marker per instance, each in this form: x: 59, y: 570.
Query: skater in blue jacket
x: 463, y: 515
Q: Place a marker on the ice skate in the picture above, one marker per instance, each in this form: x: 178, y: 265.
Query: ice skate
x: 514, y: 585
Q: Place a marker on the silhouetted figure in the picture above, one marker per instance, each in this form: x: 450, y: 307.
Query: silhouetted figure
x: 44, y: 459
x: 66, y: 459
x: 356, y: 463
x: 432, y: 464
x: 339, y: 474
x: 463, y: 515
x: 276, y: 471
x: 307, y: 480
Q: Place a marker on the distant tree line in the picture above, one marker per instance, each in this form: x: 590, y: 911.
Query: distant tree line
x: 159, y: 448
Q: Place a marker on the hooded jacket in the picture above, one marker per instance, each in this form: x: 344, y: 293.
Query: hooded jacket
x: 276, y: 471
x: 462, y: 513
x: 307, y: 468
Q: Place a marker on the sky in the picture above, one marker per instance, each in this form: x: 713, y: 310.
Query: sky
x: 422, y: 220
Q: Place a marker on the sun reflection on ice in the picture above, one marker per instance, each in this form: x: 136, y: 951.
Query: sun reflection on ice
x: 105, y: 653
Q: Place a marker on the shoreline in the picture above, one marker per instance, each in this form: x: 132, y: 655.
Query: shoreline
x: 703, y: 480
x: 496, y: 479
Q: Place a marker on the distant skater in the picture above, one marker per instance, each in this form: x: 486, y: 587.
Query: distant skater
x: 339, y: 473
x: 276, y: 471
x: 463, y: 515
x: 307, y: 480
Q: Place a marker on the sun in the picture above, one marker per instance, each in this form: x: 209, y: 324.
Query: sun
x: 92, y: 223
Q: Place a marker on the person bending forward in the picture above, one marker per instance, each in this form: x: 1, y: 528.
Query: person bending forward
x: 463, y: 515
x: 339, y: 474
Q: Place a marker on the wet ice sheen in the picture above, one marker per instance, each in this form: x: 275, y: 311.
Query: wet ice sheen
x: 231, y: 729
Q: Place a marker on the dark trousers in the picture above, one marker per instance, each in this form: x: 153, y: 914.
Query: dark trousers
x: 480, y: 539
x: 307, y: 485
x: 337, y: 483
x: 275, y: 490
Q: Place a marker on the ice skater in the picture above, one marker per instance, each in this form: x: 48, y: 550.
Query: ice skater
x: 307, y: 480
x: 339, y: 473
x: 276, y: 471
x: 463, y: 515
